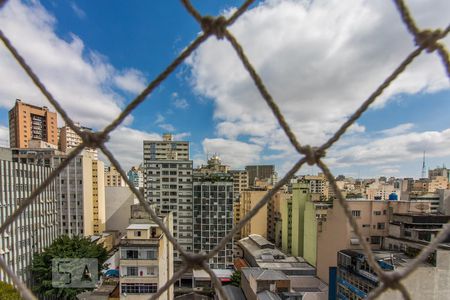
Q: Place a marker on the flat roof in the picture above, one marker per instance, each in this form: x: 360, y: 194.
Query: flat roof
x: 141, y: 226
x: 200, y: 274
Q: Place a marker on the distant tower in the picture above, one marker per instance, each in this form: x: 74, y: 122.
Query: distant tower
x: 423, y: 166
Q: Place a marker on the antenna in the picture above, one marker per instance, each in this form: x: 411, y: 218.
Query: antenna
x: 423, y: 166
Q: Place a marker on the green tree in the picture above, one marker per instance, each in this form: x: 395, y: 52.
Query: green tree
x: 236, y: 278
x: 8, y: 292
x: 63, y: 247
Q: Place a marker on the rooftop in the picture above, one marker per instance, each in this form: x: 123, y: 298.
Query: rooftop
x: 141, y: 226
x: 266, y: 256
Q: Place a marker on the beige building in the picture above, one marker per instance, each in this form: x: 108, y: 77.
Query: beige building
x: 29, y: 122
x: 146, y: 260
x: 113, y: 177
x: 372, y: 218
x: 240, y: 182
x: 68, y: 139
x: 267, y: 221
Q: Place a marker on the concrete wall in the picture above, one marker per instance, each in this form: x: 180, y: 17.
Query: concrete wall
x: 444, y: 201
x: 117, y: 207
x: 88, y: 201
x: 310, y: 234
x: 258, y: 224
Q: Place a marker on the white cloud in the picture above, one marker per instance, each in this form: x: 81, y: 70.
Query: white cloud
x: 78, y: 11
x: 4, y: 136
x: 319, y: 62
x: 127, y: 144
x: 167, y: 127
x: 181, y: 136
x: 179, y: 102
x: 234, y: 153
x: 131, y: 80
x: 399, y: 129
x: 393, y: 149
x: 82, y: 80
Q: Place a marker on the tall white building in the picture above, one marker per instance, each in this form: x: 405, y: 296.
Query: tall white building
x: 37, y: 227
x: 168, y: 184
x: 80, y: 189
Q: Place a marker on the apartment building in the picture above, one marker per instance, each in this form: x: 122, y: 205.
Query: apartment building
x: 213, y: 219
x: 261, y: 172
x: 68, y: 139
x: 168, y: 184
x: 29, y: 122
x: 136, y: 176
x: 113, y: 177
x: 146, y: 260
x: 240, y: 182
x: 37, y: 227
x: 267, y: 221
x: 408, y: 234
x: 293, y: 215
x: 372, y: 218
x: 80, y: 189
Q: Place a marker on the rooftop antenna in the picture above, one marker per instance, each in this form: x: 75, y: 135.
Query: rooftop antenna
x: 423, y: 166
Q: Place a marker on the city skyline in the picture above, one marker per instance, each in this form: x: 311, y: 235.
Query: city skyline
x: 389, y: 139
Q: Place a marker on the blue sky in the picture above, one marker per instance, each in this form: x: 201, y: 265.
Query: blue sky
x: 319, y: 59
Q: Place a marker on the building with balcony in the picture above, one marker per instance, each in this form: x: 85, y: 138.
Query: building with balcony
x: 29, y: 122
x: 146, y: 261
x: 213, y: 219
x: 136, y: 176
x: 355, y: 278
x: 69, y: 139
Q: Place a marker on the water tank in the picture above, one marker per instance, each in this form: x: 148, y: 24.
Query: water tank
x: 393, y: 197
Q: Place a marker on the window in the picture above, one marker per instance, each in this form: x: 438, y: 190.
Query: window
x: 139, y: 288
x: 132, y: 271
x: 375, y: 239
x: 137, y: 233
x: 377, y: 213
x: 130, y: 254
x: 380, y: 225
x: 356, y: 213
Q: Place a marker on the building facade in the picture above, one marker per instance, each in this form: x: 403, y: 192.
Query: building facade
x: 68, y: 139
x: 29, y: 122
x: 136, y: 176
x: 113, y: 177
x: 262, y: 172
x: 146, y: 260
x: 37, y: 227
x: 168, y: 185
x: 213, y: 219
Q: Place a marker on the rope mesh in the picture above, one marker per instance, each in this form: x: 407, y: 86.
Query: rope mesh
x: 428, y: 40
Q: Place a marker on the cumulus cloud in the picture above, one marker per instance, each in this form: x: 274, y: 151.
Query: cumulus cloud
x: 234, y: 153
x: 86, y: 85
x: 127, y: 145
x: 319, y: 61
x: 131, y: 80
x: 393, y: 149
